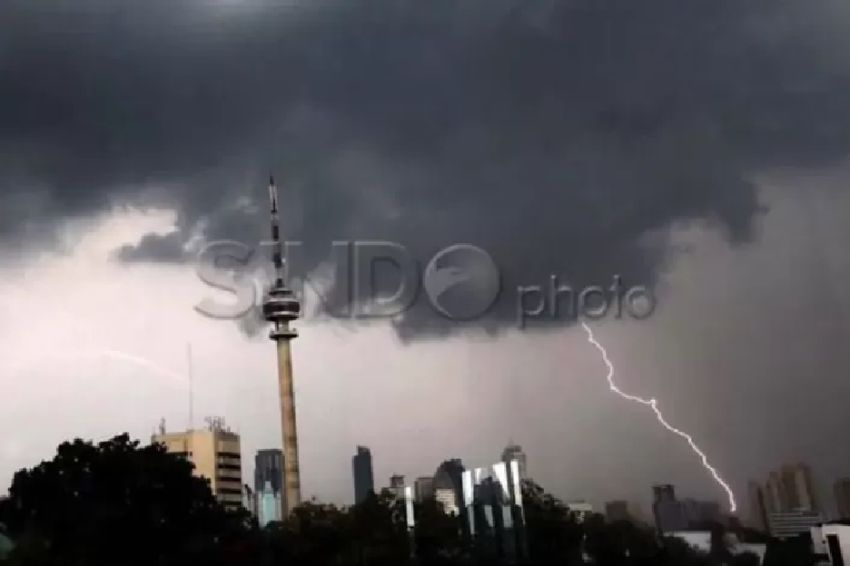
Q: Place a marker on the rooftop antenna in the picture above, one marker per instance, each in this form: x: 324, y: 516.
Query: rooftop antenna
x: 191, y: 386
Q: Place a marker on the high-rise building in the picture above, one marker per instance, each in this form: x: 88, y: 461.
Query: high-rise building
x: 842, y: 497
x: 361, y: 469
x: 786, y: 524
x: 514, y: 452
x: 617, y: 511
x: 663, y: 492
x: 758, y: 509
x: 423, y: 488
x: 667, y: 511
x: 672, y: 514
x: 268, y: 484
x: 281, y: 307
x: 448, y: 485
x: 579, y: 510
x: 216, y: 455
x: 786, y: 505
x: 775, y: 500
x: 269, y: 505
x: 447, y: 498
x: 397, y: 485
x: 491, y: 508
x: 268, y: 467
x: 790, y: 489
x: 701, y: 513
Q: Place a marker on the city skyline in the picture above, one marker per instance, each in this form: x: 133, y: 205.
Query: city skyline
x: 787, y: 497
x: 707, y: 161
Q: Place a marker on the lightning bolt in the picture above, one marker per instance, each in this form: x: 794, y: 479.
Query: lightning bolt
x: 653, y: 404
x: 84, y: 353
x: 175, y: 379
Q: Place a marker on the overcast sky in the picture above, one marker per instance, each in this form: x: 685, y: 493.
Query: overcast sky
x: 698, y: 147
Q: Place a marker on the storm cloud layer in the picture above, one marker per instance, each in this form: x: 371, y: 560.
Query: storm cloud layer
x: 563, y: 137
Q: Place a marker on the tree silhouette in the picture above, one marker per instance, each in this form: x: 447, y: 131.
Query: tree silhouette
x: 438, y: 535
x: 620, y: 542
x: 115, y: 503
x: 314, y: 534
x: 119, y: 504
x: 554, y: 537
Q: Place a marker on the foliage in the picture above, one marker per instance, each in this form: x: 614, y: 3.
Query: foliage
x: 790, y: 552
x: 621, y: 542
x: 117, y: 504
x: 438, y: 537
x: 554, y: 537
x: 114, y: 503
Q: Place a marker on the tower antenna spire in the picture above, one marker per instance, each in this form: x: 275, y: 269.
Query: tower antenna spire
x: 274, y: 218
x: 191, y: 376
x: 280, y: 307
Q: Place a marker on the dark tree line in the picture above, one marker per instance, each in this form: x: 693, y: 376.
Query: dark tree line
x: 117, y: 503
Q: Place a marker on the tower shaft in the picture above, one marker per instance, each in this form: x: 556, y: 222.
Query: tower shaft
x: 291, y: 472
x: 281, y: 307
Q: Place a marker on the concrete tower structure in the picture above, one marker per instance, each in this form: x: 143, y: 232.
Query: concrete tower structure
x: 280, y: 307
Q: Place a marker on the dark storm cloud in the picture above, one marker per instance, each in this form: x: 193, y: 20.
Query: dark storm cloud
x: 556, y: 135
x: 168, y: 247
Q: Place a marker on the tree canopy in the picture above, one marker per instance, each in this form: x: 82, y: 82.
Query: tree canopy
x: 114, y: 503
x: 117, y: 503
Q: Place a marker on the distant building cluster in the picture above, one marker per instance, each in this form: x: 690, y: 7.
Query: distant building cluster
x: 618, y: 510
x: 672, y: 514
x: 489, y: 499
x: 785, y: 505
x: 215, y: 452
x: 423, y: 488
x: 579, y: 510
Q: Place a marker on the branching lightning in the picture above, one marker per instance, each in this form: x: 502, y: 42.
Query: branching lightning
x: 174, y: 378
x: 653, y: 404
x: 87, y: 353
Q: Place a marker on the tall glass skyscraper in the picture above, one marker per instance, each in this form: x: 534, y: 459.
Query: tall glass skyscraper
x: 268, y: 467
x: 269, y: 505
x: 361, y: 468
x: 268, y: 482
x: 514, y: 452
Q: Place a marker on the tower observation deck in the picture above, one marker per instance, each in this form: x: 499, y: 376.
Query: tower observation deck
x: 280, y: 307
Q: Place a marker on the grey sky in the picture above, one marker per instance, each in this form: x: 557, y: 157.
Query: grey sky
x: 695, y: 146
